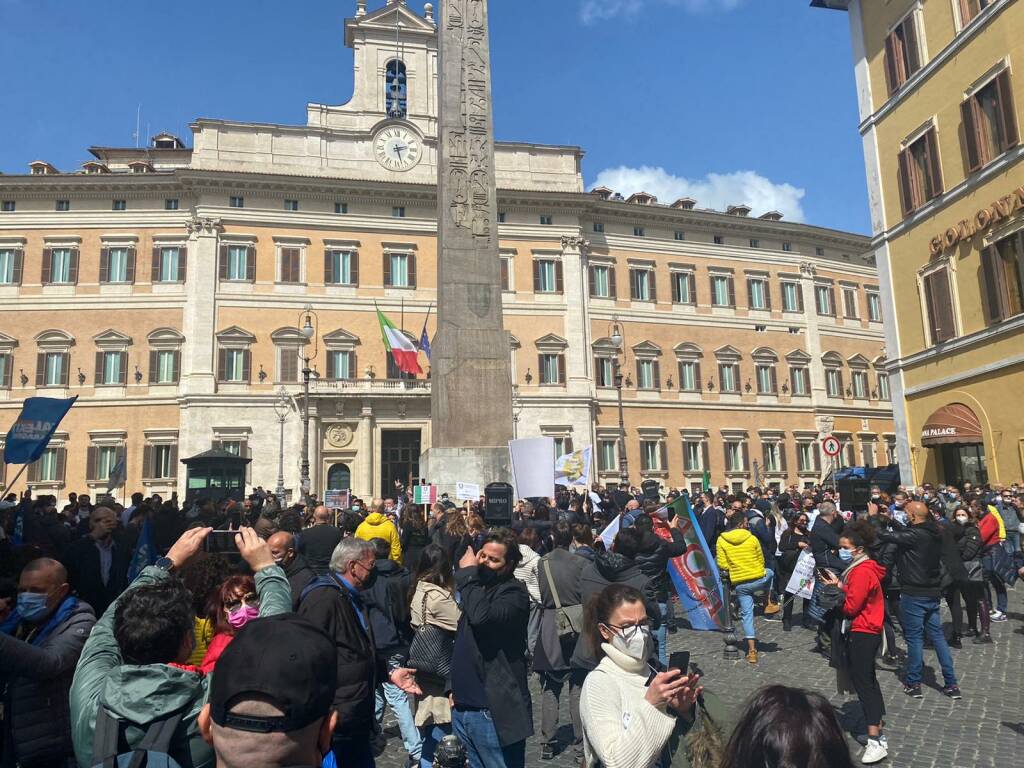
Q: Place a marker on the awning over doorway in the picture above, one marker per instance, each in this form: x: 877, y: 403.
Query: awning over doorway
x: 952, y: 424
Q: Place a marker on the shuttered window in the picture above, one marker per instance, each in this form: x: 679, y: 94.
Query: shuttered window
x: 723, y: 291
x: 883, y: 386
x: 641, y: 285
x: 606, y: 458
x: 825, y: 298
x: 287, y: 365
x: 506, y: 273
x: 341, y: 267
x: 758, y: 296
x: 169, y: 264
x: 833, y: 382
x: 233, y: 365
x: 547, y: 276
x: 60, y: 266
x: 990, y: 122
x: 604, y: 372
x: 48, y: 468
x: 11, y: 266
x: 111, y: 368
x: 341, y: 364
x: 647, y: 374
x: 602, y: 281
x: 164, y: 366
x: 52, y: 369
x: 653, y: 456
x: 160, y: 461
x: 939, y: 306
x: 874, y: 307
x: 400, y: 270
x: 689, y: 376
x: 552, y: 368
x: 290, y: 270
x: 792, y: 298
x: 902, y: 53
x: 920, y: 172
x: 684, y: 288
x: 728, y: 377
x: 799, y: 381
x: 969, y: 9
x: 1002, y: 278
x: 238, y: 262
x: 766, y: 380
x: 117, y: 265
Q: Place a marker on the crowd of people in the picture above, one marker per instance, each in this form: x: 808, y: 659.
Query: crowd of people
x: 261, y: 633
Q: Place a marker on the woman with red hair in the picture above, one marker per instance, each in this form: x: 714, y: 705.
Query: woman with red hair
x: 233, y: 605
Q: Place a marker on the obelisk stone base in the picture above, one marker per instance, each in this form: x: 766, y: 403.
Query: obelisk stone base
x: 444, y: 467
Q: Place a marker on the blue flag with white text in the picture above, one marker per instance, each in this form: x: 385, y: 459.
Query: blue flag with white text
x: 31, y: 433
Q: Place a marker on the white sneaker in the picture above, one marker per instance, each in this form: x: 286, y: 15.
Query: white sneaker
x: 875, y: 752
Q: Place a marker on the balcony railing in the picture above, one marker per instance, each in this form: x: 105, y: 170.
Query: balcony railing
x: 393, y: 386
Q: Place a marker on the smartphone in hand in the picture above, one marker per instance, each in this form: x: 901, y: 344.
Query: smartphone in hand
x: 679, y: 660
x: 220, y: 543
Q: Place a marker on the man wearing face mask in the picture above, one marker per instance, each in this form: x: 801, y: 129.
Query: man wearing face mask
x: 282, y: 548
x: 40, y: 643
x: 492, y: 715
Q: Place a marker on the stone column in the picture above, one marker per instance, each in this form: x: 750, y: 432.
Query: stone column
x: 577, y: 357
x: 198, y: 373
x: 817, y: 370
x: 366, y: 451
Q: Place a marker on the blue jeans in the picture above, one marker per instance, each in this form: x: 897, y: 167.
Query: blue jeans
x: 745, y: 596
x: 432, y: 735
x: 1012, y: 543
x: 475, y: 729
x: 661, y: 635
x: 398, y: 700
x: 920, y: 616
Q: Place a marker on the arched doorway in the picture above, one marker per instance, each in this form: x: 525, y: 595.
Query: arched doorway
x: 339, y: 478
x: 954, y: 432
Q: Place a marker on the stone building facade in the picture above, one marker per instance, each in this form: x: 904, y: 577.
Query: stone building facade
x: 165, y: 286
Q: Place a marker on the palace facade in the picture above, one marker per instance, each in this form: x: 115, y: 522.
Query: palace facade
x: 166, y: 287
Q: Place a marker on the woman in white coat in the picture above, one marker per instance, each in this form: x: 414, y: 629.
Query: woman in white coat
x: 626, y: 721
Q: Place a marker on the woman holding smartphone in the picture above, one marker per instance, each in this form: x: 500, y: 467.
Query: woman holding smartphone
x: 628, y: 710
x: 863, y: 607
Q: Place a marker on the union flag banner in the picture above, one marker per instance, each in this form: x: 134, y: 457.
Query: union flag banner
x: 695, y: 573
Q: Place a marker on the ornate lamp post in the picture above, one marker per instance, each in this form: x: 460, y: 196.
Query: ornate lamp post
x: 309, y: 326
x: 281, y: 408
x: 517, y: 410
x: 618, y: 339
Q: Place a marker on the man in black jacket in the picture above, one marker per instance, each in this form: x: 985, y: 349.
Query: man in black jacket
x: 98, y: 564
x: 919, y: 565
x: 825, y: 538
x: 558, y: 572
x: 387, y: 604
x: 282, y: 548
x: 40, y: 644
x: 616, y: 567
x: 334, y: 604
x: 492, y: 712
x: 317, y: 544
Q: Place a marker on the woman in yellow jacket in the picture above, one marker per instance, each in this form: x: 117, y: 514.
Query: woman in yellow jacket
x: 377, y: 525
x: 739, y: 552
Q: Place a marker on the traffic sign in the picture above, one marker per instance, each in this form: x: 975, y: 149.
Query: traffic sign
x: 831, y: 446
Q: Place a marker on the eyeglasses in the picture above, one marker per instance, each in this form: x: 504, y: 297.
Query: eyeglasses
x: 629, y: 631
x: 234, y: 604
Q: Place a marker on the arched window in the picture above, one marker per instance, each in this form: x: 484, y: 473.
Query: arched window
x: 396, y: 88
x: 339, y: 477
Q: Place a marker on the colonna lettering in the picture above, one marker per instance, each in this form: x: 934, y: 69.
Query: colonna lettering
x: 979, y: 222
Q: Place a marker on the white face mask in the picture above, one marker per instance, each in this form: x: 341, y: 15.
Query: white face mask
x: 962, y: 519
x: 639, y: 644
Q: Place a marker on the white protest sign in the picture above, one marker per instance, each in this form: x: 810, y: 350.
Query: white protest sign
x: 464, y: 491
x: 532, y: 460
x: 801, y: 583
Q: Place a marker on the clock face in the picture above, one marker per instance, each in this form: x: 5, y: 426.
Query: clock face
x: 397, y: 148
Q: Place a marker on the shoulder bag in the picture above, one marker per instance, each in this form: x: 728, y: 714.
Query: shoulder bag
x: 569, y: 618
x: 431, y: 650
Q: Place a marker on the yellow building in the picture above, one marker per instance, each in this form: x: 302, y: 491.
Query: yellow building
x: 165, y: 285
x: 939, y: 84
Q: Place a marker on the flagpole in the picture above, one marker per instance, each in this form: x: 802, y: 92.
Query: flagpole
x: 15, y: 480
x: 429, y: 307
x: 402, y: 321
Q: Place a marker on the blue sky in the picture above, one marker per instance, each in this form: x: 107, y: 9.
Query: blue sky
x: 725, y: 100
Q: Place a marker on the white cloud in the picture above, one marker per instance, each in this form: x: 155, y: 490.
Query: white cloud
x: 716, y: 190
x: 593, y: 11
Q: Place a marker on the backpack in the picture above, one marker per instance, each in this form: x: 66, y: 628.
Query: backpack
x: 110, y: 748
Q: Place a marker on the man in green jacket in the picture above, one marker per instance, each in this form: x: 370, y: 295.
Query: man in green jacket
x: 135, y: 661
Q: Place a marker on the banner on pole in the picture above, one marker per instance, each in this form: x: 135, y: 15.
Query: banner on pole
x: 117, y: 475
x: 695, y: 574
x: 31, y: 433
x: 532, y: 459
x: 801, y: 583
x: 424, y: 494
x: 573, y: 469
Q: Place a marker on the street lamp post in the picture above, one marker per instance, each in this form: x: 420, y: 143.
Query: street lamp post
x: 618, y: 340
x: 310, y: 323
x: 281, y: 408
x: 517, y: 409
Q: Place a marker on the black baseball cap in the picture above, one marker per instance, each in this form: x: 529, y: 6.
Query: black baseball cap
x: 283, y: 659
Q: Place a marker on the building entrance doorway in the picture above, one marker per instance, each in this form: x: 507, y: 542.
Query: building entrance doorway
x: 963, y: 463
x: 399, y: 458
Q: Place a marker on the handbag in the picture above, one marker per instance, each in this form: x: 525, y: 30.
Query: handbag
x: 568, y: 619
x: 431, y: 650
x: 975, y: 572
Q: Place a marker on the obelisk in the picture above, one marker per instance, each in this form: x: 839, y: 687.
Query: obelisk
x: 470, y: 370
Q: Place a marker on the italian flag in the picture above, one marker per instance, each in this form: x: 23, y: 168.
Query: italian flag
x: 398, y: 344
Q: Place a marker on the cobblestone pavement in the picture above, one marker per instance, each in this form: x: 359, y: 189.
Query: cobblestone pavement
x: 983, y: 730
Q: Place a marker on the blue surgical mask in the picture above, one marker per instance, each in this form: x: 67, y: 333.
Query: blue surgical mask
x: 845, y: 554
x: 32, y: 607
